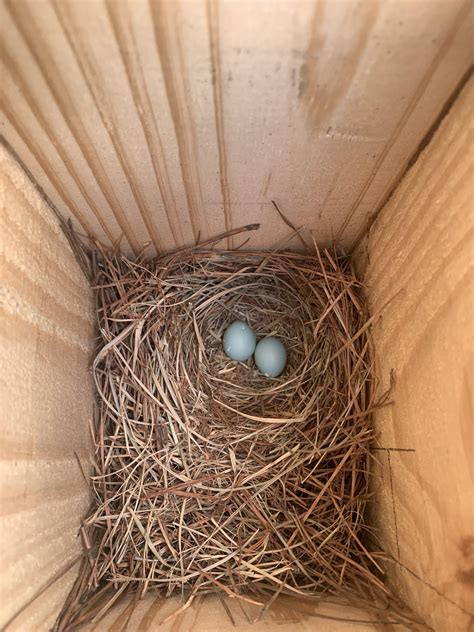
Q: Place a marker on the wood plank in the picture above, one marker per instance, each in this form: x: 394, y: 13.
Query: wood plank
x: 166, y: 122
x: 421, y: 254
x: 46, y: 341
x: 208, y: 614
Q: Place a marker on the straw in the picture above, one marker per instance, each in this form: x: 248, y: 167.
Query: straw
x: 208, y: 475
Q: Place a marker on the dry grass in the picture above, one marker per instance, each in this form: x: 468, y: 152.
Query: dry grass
x: 208, y: 475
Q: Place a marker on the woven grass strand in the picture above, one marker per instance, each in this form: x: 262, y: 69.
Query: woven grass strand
x: 208, y: 475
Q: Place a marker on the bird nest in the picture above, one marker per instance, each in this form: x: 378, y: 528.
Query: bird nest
x: 210, y: 476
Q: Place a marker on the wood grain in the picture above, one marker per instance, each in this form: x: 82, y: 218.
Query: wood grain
x: 210, y: 614
x: 168, y: 122
x: 46, y: 339
x: 421, y: 254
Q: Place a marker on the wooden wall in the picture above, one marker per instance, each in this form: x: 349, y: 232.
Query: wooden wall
x: 46, y: 338
x: 208, y: 614
x: 172, y: 120
x: 421, y: 257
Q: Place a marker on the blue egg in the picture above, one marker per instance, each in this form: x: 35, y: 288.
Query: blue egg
x: 270, y: 356
x: 239, y: 341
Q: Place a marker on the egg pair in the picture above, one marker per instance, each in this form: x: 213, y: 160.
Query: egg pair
x: 240, y: 343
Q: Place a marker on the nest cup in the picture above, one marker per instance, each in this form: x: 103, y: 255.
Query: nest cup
x: 210, y: 476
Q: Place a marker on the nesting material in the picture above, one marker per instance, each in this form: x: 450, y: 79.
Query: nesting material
x: 210, y: 476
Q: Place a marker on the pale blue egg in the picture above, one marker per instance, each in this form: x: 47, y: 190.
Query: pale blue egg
x: 270, y: 356
x: 239, y: 341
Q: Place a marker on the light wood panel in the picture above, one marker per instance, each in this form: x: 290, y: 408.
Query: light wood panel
x: 421, y: 255
x: 46, y: 338
x: 211, y: 614
x: 171, y: 121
